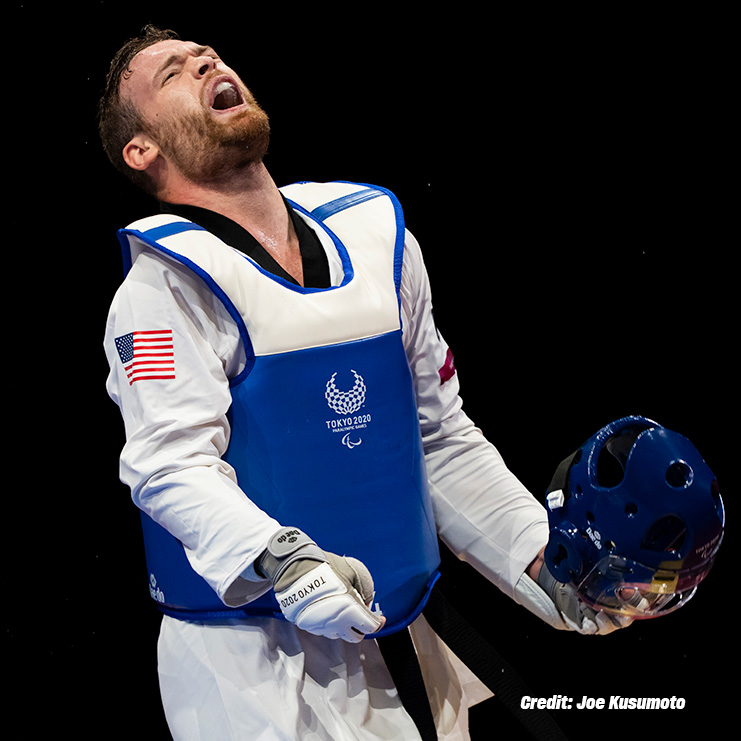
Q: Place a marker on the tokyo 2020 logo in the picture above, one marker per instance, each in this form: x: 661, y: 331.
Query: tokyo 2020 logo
x: 345, y: 402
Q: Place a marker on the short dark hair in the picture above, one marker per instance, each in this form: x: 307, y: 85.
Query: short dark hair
x: 118, y: 119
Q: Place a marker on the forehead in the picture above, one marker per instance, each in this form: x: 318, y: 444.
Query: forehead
x: 152, y: 58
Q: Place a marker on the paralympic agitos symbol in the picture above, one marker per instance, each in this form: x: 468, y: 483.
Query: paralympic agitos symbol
x: 351, y: 443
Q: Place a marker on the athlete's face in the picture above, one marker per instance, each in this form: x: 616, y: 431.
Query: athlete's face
x: 202, y: 117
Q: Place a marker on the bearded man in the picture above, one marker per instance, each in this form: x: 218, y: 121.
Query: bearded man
x: 294, y: 435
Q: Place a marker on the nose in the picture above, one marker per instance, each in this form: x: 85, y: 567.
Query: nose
x: 203, y: 65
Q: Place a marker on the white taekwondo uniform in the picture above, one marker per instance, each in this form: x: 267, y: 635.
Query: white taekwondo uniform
x: 260, y: 677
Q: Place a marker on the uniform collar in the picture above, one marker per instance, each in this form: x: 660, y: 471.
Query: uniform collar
x: 313, y: 257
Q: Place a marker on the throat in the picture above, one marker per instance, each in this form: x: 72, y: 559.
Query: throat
x: 286, y: 252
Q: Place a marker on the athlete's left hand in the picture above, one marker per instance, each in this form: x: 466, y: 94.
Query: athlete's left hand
x: 576, y: 614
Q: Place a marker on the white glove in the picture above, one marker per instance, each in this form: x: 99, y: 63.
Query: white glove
x: 576, y: 614
x: 321, y: 593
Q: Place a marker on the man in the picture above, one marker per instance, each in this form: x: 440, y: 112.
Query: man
x: 295, y: 438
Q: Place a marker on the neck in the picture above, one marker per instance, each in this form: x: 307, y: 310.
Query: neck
x: 253, y: 201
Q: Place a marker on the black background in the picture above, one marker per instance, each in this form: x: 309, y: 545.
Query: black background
x: 567, y: 177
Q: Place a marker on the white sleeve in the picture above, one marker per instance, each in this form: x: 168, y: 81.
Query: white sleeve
x: 484, y: 514
x: 177, y: 429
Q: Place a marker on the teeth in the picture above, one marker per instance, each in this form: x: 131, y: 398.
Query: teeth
x: 222, y: 86
x: 226, y: 96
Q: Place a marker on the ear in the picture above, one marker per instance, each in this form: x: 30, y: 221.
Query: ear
x: 140, y: 152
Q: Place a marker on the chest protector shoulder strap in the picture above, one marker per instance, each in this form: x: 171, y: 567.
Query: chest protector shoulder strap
x: 324, y: 427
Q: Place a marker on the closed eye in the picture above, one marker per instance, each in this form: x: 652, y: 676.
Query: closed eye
x: 169, y: 75
x: 175, y: 61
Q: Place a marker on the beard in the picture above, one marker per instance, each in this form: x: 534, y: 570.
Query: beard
x: 206, y: 150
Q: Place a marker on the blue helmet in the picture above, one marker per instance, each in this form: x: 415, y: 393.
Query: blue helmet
x: 636, y: 519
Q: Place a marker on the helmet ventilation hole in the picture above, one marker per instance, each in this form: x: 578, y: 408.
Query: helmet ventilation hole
x: 609, y: 470
x: 560, y: 556
x: 678, y: 475
x: 666, y: 534
x: 612, y: 459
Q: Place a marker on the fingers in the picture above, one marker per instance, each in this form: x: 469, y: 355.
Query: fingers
x: 340, y: 616
x: 323, y: 603
x: 356, y: 574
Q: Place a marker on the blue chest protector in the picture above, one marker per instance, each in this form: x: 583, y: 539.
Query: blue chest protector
x: 324, y: 427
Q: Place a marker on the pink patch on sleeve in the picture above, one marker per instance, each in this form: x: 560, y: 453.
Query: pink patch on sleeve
x: 448, y: 369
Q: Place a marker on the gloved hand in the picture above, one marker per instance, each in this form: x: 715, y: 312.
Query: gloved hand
x: 576, y: 614
x: 321, y: 593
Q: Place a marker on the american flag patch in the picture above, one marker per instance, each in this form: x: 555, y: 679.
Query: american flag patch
x: 147, y: 355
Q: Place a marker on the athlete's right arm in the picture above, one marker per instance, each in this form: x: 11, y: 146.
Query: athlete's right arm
x: 177, y: 428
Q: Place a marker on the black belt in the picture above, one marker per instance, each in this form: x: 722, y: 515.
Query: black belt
x: 477, y: 654
x: 401, y: 659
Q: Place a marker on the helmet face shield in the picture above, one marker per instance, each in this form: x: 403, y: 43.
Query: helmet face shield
x: 620, y: 585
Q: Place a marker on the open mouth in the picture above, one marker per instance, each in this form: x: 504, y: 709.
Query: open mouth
x: 226, y: 95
